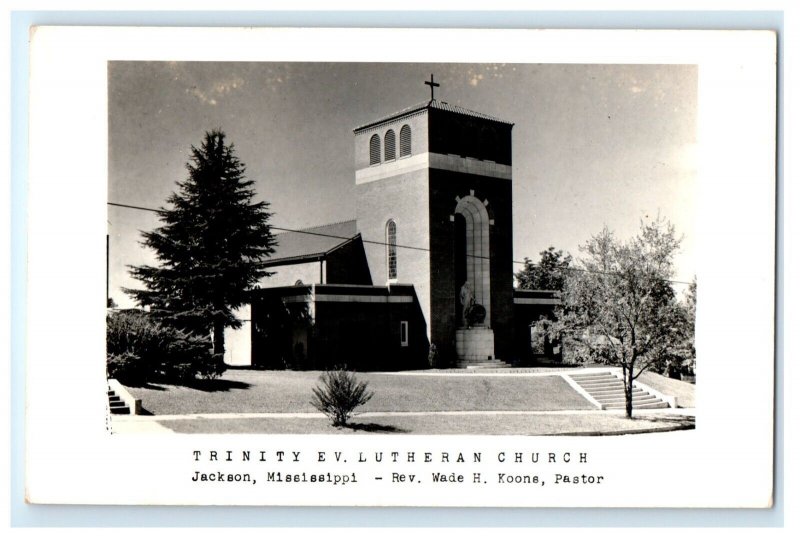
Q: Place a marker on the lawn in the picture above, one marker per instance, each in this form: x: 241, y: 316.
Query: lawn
x: 517, y: 404
x: 589, y: 423
x: 683, y: 391
x: 253, y: 391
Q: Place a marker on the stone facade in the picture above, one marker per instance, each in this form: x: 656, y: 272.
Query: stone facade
x: 454, y: 155
x: 475, y: 344
x: 439, y: 177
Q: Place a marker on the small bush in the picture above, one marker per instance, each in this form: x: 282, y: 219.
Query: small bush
x: 212, y: 369
x: 433, y: 356
x: 139, y: 349
x: 341, y: 392
x: 127, y: 367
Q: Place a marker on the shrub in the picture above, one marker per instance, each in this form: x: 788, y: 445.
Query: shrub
x: 341, y: 392
x: 433, y: 356
x: 127, y: 367
x: 140, y: 349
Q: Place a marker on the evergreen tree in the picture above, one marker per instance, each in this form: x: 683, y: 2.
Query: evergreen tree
x: 210, y: 246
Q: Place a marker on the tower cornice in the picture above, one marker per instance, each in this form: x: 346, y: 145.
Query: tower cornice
x: 433, y: 104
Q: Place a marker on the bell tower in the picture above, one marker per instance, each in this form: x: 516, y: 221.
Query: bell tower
x: 433, y: 187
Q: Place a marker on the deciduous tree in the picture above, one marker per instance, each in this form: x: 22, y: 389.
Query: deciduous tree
x: 620, y: 308
x: 548, y: 274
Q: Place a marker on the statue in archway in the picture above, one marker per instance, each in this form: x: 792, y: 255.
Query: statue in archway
x: 467, y: 300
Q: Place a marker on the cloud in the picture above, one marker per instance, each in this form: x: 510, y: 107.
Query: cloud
x: 216, y: 90
x: 490, y: 71
x: 208, y: 92
x: 201, y: 96
x: 224, y: 87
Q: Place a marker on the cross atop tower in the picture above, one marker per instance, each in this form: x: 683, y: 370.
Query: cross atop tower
x: 432, y: 84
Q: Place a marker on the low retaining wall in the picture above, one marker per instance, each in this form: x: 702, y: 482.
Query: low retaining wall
x: 134, y: 404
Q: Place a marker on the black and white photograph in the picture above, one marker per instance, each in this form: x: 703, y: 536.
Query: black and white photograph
x: 471, y: 268
x: 401, y: 248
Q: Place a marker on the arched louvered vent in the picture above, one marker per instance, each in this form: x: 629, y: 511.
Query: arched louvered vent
x: 391, y: 250
x: 389, y: 146
x: 375, y: 150
x: 405, y: 141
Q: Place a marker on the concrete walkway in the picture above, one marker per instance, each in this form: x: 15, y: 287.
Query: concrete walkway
x: 494, y: 372
x: 123, y: 424
x: 150, y: 423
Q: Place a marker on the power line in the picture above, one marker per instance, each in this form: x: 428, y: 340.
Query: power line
x: 382, y: 243
x: 134, y: 207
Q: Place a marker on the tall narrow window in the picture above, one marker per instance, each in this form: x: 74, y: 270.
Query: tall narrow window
x: 391, y: 250
x: 405, y: 141
x: 404, y: 334
x: 375, y: 150
x: 389, y: 146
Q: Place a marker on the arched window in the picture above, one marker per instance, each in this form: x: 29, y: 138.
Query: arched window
x: 405, y: 141
x: 389, y: 147
x: 375, y: 150
x: 391, y: 250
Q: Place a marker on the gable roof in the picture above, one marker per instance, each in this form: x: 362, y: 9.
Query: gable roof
x: 433, y: 103
x: 311, y: 244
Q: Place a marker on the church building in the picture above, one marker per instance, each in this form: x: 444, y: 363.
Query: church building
x: 423, y: 276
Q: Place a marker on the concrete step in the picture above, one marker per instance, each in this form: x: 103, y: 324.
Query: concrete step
x: 116, y: 405
x: 594, y: 378
x: 600, y: 388
x: 615, y: 391
x: 601, y: 384
x: 597, y: 379
x: 636, y: 401
x: 612, y: 391
x: 655, y: 405
x: 621, y: 394
x: 604, y: 377
x: 609, y: 391
x: 591, y: 374
x: 482, y: 364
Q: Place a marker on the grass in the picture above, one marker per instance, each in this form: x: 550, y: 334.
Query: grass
x: 283, y: 391
x: 251, y: 391
x: 683, y: 391
x: 578, y: 424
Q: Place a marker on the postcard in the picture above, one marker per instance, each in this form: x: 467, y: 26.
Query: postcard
x: 385, y: 267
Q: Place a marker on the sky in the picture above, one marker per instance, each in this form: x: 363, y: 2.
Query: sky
x: 593, y: 145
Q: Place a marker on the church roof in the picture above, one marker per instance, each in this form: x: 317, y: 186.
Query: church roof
x: 433, y: 103
x: 310, y: 244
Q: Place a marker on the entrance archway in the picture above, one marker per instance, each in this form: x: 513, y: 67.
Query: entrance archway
x: 471, y: 245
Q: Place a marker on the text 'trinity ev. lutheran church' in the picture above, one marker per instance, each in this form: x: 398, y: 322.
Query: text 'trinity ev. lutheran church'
x: 426, y: 264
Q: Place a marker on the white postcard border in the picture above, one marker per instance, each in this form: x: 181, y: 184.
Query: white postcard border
x: 726, y: 462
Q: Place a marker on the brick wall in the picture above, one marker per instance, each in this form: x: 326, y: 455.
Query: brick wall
x: 403, y: 198
x: 418, y: 123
